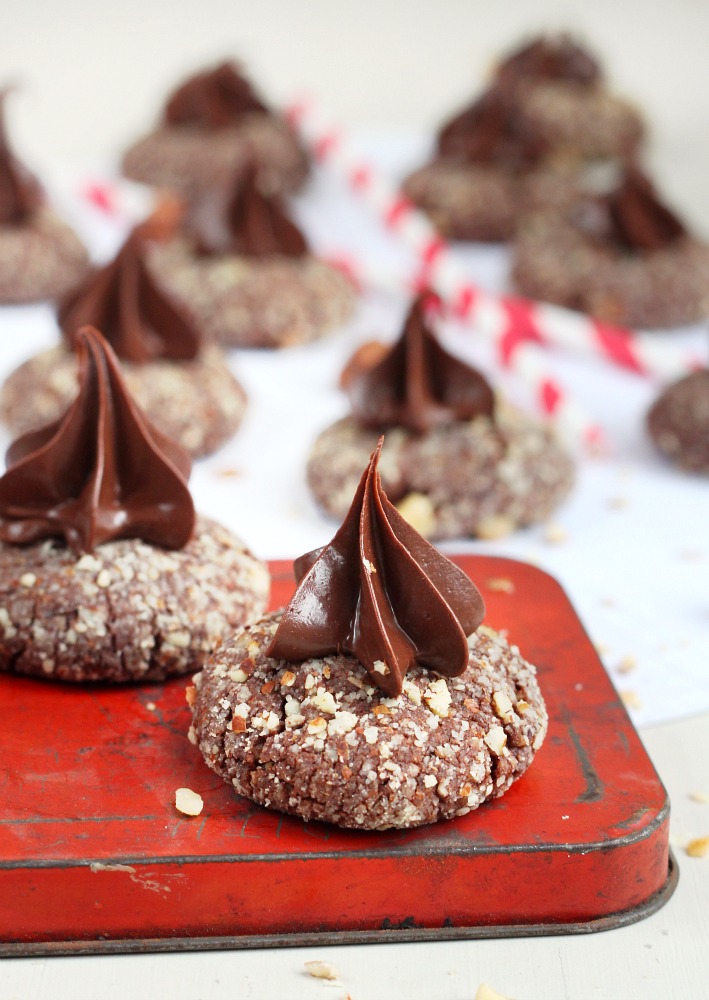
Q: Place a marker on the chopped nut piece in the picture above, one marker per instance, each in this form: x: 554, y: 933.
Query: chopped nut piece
x: 188, y: 802
x: 702, y: 797
x: 503, y: 705
x: 438, y: 697
x: 321, y: 970
x: 191, y: 695
x: 417, y: 509
x: 343, y: 722
x: 238, y: 724
x: 28, y: 580
x: 631, y: 699
x: 698, y: 848
x: 380, y: 667
x: 324, y: 701
x: 495, y: 526
x: 496, y: 738
x: 268, y: 687
x: 412, y: 692
x: 318, y: 725
x: 627, y: 664
x: 381, y: 710
x: 287, y: 678
x: 522, y: 707
x: 237, y: 675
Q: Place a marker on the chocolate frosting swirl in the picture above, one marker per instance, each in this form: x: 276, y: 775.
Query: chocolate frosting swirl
x: 137, y: 318
x: 492, y: 131
x: 101, y: 472
x: 552, y: 57
x: 213, y: 99
x: 381, y: 593
x: 20, y: 191
x: 417, y: 384
x: 631, y: 216
x: 238, y: 218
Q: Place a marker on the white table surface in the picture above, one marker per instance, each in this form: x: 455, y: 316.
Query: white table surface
x: 634, y: 562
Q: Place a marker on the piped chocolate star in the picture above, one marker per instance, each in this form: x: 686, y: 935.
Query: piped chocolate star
x: 124, y: 301
x: 382, y: 593
x: 20, y: 191
x: 101, y: 472
x: 417, y: 384
x: 238, y: 218
x: 213, y: 99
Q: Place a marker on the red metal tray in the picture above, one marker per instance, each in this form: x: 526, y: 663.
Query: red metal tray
x: 95, y: 858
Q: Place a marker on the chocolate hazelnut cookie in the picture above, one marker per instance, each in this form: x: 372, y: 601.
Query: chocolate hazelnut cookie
x: 214, y: 123
x: 106, y: 573
x: 375, y: 699
x: 457, y: 462
x: 320, y: 741
x: 40, y: 256
x: 678, y: 422
x: 184, y: 385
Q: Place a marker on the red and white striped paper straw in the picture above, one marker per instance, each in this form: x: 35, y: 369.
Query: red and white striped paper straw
x: 542, y: 324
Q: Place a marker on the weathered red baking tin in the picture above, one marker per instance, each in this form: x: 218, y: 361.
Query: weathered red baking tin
x: 95, y: 858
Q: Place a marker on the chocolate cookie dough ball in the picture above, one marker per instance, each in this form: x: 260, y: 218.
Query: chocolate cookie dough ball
x: 184, y: 385
x: 563, y: 99
x: 198, y: 403
x: 40, y: 256
x: 319, y: 741
x: 215, y: 123
x: 457, y: 462
x: 475, y: 478
x: 375, y: 699
x: 515, y: 148
x: 622, y: 256
x: 244, y: 270
x: 128, y: 611
x: 678, y: 422
x: 106, y: 573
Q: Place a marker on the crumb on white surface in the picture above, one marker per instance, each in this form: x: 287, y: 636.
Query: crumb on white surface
x: 321, y: 970
x: 698, y: 848
x: 554, y: 534
x: 485, y: 992
x: 631, y: 699
x: 627, y: 664
x: 698, y: 796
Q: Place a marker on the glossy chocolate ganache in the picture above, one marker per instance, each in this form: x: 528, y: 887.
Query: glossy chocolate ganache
x: 125, y: 302
x: 101, y: 472
x: 20, y: 191
x: 236, y: 217
x: 416, y: 384
x: 382, y: 593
